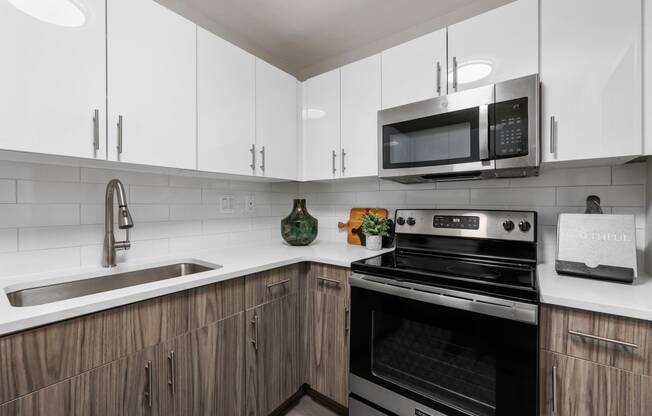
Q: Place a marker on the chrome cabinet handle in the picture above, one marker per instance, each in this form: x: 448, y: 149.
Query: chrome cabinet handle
x: 282, y: 282
x: 262, y: 154
x: 150, y: 383
x: 254, y: 339
x: 438, y: 78
x: 334, y: 156
x: 455, y: 73
x: 120, y: 127
x: 173, y: 374
x: 554, y: 390
x: 343, y: 166
x: 327, y: 280
x: 602, y: 339
x: 253, y: 158
x: 553, y: 136
x: 96, y: 131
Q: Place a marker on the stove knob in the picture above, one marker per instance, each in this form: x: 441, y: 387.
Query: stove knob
x: 524, y: 226
x: 400, y: 221
x: 508, y: 225
x: 411, y: 221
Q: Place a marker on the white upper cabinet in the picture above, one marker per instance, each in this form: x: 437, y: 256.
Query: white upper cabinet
x: 591, y: 79
x: 361, y: 100
x: 151, y: 85
x: 276, y: 122
x: 495, y: 46
x: 321, y: 115
x: 226, y: 104
x: 52, y: 79
x: 415, y: 70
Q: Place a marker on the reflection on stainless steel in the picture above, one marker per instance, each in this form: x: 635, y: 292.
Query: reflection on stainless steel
x: 47, y: 294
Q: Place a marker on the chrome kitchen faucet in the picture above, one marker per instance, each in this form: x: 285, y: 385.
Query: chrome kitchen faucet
x: 124, y: 222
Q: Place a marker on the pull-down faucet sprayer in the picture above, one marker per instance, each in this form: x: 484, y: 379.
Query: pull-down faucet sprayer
x: 124, y: 222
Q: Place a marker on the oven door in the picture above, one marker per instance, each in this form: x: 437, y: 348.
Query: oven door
x: 416, y: 352
x: 445, y: 136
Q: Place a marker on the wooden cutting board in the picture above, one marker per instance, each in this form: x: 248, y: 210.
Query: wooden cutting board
x: 355, y: 221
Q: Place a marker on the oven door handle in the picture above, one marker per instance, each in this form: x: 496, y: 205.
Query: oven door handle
x: 485, y: 305
x: 483, y: 132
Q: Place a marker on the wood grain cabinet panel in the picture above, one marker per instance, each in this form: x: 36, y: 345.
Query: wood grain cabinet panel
x: 212, y: 303
x: 329, y: 279
x: 272, y: 373
x: 271, y: 284
x: 327, y: 356
x: 583, y: 388
x: 130, y: 378
x: 556, y: 322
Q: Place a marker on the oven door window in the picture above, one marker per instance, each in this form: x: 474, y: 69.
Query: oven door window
x: 442, y: 139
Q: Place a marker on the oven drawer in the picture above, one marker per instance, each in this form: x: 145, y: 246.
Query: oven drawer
x: 605, y: 339
x: 331, y: 280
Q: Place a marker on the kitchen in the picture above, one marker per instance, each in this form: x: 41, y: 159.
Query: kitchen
x: 172, y: 176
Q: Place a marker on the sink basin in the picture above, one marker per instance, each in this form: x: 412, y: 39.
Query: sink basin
x: 68, y: 290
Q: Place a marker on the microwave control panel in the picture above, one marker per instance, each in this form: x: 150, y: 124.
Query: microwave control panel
x: 510, y: 128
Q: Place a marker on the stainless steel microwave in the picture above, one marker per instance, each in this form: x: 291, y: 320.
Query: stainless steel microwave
x: 486, y: 132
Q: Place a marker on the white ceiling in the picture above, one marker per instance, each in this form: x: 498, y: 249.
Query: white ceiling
x: 299, y: 35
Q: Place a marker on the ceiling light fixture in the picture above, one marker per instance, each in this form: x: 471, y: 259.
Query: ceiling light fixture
x: 472, y: 71
x: 66, y: 13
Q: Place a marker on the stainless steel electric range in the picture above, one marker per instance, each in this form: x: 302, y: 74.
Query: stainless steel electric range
x: 447, y: 323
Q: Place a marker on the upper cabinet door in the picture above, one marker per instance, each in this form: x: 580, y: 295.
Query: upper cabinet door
x: 415, y: 70
x: 361, y: 97
x: 321, y: 115
x: 591, y: 79
x: 151, y: 85
x: 226, y: 105
x: 52, y: 80
x: 276, y: 122
x: 496, y: 46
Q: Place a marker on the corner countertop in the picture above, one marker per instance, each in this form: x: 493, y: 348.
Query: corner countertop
x: 235, y: 262
x: 628, y: 300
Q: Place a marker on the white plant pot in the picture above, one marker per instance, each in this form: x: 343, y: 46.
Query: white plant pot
x: 374, y: 242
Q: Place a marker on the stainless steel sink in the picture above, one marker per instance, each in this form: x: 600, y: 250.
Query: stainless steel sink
x: 61, y: 291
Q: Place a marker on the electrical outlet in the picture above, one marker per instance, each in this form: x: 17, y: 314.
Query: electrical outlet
x: 250, y: 203
x: 227, y: 204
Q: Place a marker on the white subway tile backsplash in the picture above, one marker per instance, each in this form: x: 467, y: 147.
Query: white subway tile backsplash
x: 380, y: 198
x: 615, y: 196
x: 475, y: 184
x: 437, y: 197
x: 166, y: 229
x: 7, y: 191
x: 8, y: 240
x: 103, y: 176
x: 513, y: 196
x: 31, y: 192
x: 37, y: 172
x: 27, y: 262
x: 30, y: 215
x: 39, y: 238
x: 200, y: 242
x: 629, y: 174
x: 566, y: 177
x: 161, y: 195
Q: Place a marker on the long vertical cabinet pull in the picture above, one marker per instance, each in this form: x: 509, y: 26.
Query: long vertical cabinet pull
x: 343, y: 165
x: 173, y: 373
x: 253, y: 158
x: 347, y: 326
x: 554, y: 390
x: 553, y: 136
x: 96, y: 132
x: 254, y: 338
x: 120, y: 127
x: 438, y: 78
x: 334, y: 155
x: 455, y: 73
x: 150, y: 383
x: 262, y: 155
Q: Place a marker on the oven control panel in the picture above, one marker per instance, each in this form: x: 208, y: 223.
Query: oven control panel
x: 499, y: 225
x: 510, y: 128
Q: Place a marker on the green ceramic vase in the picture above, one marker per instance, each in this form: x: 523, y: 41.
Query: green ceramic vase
x: 299, y: 228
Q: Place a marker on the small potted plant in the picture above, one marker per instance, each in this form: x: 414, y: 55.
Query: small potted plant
x: 374, y: 227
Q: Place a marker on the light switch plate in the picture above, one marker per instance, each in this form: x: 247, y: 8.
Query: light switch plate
x: 227, y: 204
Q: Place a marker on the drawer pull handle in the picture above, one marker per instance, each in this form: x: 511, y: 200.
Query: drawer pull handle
x: 282, y: 282
x: 327, y: 280
x: 602, y: 339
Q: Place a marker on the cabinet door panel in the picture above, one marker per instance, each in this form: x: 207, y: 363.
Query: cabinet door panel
x: 272, y: 355
x: 591, y: 78
x: 52, y: 80
x: 361, y: 97
x: 129, y: 380
x: 506, y: 39
x: 152, y: 84
x: 276, y: 121
x: 410, y: 70
x: 226, y: 97
x: 321, y: 115
x: 328, y: 346
x: 272, y: 284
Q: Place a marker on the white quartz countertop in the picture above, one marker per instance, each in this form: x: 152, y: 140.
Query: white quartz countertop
x: 235, y: 262
x: 629, y: 300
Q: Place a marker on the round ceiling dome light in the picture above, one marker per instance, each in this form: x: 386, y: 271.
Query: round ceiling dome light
x: 66, y: 13
x: 472, y: 71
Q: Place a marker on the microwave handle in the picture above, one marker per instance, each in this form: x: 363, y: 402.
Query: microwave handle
x: 483, y: 135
